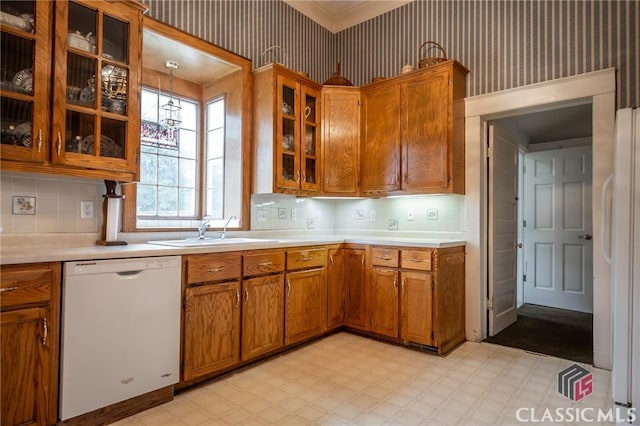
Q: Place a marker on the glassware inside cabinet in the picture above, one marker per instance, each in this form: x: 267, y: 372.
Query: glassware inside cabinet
x: 18, y: 15
x: 115, y: 39
x: 114, y: 83
x: 310, y: 109
x: 79, y: 135
x: 310, y: 170
x: 288, y: 135
x: 15, y: 118
x: 288, y: 167
x: 81, y: 80
x: 288, y: 101
x: 113, y: 138
x: 82, y: 28
x: 16, y: 63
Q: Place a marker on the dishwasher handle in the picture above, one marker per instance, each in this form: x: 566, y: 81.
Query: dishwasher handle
x: 129, y: 273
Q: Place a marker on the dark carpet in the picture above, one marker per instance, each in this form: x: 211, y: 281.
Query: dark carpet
x: 550, y: 331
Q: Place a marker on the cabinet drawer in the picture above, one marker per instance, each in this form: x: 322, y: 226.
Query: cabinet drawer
x: 20, y: 285
x: 416, y: 259
x: 385, y: 257
x: 263, y: 263
x: 303, y: 259
x: 213, y: 267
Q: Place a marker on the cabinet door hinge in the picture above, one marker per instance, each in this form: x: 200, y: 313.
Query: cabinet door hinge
x: 432, y: 285
x: 524, y: 277
x: 524, y: 223
x: 490, y: 304
x: 433, y: 336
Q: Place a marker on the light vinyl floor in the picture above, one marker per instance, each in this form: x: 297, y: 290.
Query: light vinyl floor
x: 344, y: 379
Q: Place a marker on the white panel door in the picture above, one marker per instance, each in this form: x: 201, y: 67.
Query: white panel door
x: 503, y: 229
x: 558, y: 244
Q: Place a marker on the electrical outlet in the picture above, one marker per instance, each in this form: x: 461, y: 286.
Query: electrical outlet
x: 411, y: 214
x: 262, y: 215
x: 432, y: 214
x: 86, y: 209
x: 311, y: 223
x: 294, y: 214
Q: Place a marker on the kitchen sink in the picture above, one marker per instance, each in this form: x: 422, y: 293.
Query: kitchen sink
x: 196, y: 242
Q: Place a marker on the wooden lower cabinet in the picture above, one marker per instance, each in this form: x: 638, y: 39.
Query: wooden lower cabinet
x: 336, y: 289
x: 212, y: 328
x: 384, y: 301
x: 357, y: 312
x: 306, y: 299
x: 416, y: 307
x: 262, y: 315
x: 29, y: 326
x: 417, y: 297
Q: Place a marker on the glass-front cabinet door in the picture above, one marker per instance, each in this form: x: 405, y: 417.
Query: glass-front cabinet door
x: 25, y: 44
x: 95, y: 119
x: 288, y: 133
x: 310, y: 149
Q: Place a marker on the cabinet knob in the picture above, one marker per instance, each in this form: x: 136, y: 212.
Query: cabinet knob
x: 237, y: 297
x: 39, y: 140
x: 246, y: 296
x: 288, y: 287
x: 59, y: 144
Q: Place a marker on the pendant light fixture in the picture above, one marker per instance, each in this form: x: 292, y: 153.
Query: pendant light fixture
x: 171, y: 120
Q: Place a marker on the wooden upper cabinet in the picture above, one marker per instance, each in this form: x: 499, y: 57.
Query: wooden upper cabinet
x: 25, y: 83
x: 341, y: 140
x: 87, y: 122
x: 286, y: 132
x: 380, y: 154
x: 433, y: 130
x: 413, y: 132
x: 96, y: 123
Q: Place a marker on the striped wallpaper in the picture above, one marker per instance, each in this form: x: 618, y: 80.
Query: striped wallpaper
x: 504, y: 44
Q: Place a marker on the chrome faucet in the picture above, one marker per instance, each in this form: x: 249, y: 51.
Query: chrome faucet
x: 224, y: 230
x: 202, y: 229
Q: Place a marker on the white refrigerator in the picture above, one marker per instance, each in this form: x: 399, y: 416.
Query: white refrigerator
x: 625, y: 260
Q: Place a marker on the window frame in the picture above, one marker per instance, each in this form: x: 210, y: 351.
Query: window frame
x: 242, y: 104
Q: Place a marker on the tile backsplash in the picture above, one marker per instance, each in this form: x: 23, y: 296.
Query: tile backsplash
x: 57, y: 204
x: 434, y: 213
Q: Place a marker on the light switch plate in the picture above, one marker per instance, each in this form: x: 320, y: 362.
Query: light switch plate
x: 359, y: 214
x: 373, y: 215
x: 432, y: 214
x: 411, y: 214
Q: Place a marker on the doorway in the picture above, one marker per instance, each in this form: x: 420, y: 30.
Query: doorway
x: 596, y: 87
x: 540, y: 287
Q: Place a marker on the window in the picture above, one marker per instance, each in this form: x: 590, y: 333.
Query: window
x: 182, y: 179
x: 215, y: 159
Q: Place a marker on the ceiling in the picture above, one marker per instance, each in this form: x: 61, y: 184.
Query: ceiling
x: 337, y: 15
x: 194, y: 65
x: 560, y: 124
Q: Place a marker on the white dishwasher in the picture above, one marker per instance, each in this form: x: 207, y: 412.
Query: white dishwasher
x: 120, y: 331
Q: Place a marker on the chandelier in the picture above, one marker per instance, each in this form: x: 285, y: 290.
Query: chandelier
x: 171, y: 110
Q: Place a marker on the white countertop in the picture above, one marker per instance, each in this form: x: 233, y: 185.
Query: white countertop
x: 50, y: 251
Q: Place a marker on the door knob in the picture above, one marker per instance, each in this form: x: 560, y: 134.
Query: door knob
x: 519, y: 245
x: 585, y: 237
